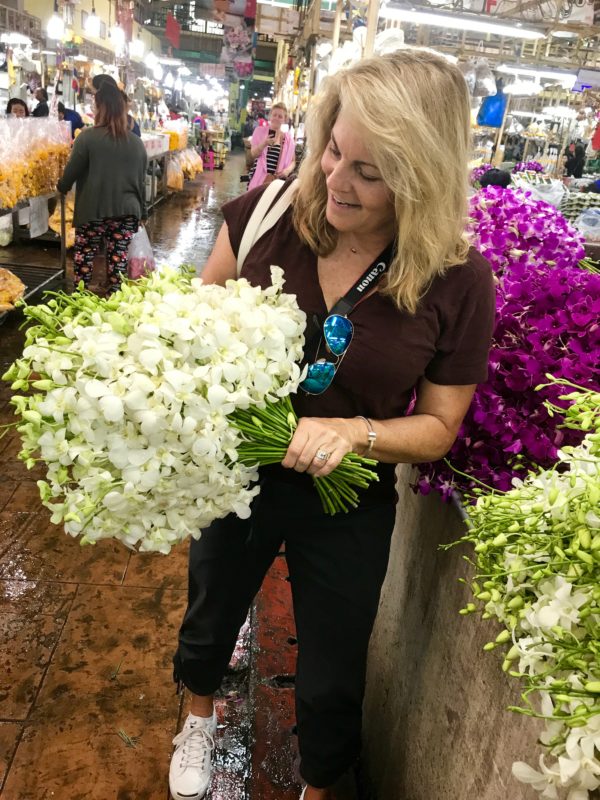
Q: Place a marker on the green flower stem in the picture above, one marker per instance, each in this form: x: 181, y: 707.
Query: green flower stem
x: 267, y: 433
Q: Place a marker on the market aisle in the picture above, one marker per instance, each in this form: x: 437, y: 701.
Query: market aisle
x: 88, y: 707
x: 183, y: 229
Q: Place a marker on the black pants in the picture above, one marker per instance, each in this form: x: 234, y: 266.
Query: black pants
x: 337, y: 566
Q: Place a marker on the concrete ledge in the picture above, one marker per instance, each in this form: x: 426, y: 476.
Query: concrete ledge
x: 436, y: 727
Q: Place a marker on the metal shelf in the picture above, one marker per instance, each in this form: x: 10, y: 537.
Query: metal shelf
x: 34, y: 278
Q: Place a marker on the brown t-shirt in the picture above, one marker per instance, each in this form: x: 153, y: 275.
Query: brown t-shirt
x: 447, y: 340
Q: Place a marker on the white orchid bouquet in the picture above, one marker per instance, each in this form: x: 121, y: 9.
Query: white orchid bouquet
x: 537, y: 559
x: 131, y: 403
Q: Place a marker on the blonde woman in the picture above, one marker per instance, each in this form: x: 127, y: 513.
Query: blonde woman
x: 378, y: 225
x: 272, y: 150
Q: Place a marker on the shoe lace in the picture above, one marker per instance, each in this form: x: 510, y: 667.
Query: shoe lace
x: 197, y: 743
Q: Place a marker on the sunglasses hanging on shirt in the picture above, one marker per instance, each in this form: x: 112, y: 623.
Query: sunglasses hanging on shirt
x: 337, y: 330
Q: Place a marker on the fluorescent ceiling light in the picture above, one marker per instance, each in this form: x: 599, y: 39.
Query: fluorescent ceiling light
x: 566, y: 78
x: 459, y: 22
x: 15, y: 38
x: 563, y: 34
x: 528, y: 114
x: 563, y: 112
x: 523, y: 88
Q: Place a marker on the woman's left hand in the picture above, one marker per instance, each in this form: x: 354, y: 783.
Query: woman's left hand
x: 330, y: 437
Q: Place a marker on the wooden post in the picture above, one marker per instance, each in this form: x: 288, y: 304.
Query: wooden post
x: 496, y: 159
x: 372, y: 18
x: 337, y: 23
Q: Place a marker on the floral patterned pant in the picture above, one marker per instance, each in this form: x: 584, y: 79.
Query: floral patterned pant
x: 117, y: 232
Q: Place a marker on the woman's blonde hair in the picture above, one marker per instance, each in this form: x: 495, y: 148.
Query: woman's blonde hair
x: 282, y: 106
x: 412, y: 106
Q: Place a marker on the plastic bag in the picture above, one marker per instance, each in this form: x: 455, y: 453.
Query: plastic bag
x: 174, y: 175
x: 552, y: 193
x: 485, y: 83
x: 492, y: 110
x: 588, y: 224
x: 469, y: 73
x: 6, y: 230
x: 140, y: 258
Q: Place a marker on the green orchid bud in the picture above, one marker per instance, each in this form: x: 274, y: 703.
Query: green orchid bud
x: 484, y: 596
x: 557, y: 631
x: 516, y: 603
x: 563, y: 698
x: 45, y: 490
x: 486, y: 615
x: 581, y: 709
x: 503, y: 637
x: 553, y: 495
x: 506, y: 665
x: 514, y: 528
x: 496, y: 596
x: 32, y: 416
x: 44, y: 385
x: 501, y: 540
x: 489, y: 585
x: 481, y: 547
x: 72, y: 517
x: 585, y: 539
x: 593, y: 687
x: 585, y: 557
x: 513, y: 653
x: 489, y: 646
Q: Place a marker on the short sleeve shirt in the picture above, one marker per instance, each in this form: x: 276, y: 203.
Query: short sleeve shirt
x: 446, y: 341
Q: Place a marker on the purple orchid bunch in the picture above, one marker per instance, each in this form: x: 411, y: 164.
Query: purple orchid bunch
x: 478, y: 172
x: 547, y: 321
x: 528, y: 166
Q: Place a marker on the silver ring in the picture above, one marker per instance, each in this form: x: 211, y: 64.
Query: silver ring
x: 322, y: 455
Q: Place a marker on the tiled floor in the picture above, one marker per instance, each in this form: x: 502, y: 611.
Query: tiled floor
x: 87, y: 703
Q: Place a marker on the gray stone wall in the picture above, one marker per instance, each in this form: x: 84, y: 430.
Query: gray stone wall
x: 436, y: 725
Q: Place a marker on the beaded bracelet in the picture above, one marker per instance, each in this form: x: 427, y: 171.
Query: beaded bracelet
x: 372, y: 435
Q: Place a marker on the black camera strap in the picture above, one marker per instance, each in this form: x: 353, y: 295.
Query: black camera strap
x: 370, y: 278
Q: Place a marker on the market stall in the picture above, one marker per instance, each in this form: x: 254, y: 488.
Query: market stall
x: 33, y: 153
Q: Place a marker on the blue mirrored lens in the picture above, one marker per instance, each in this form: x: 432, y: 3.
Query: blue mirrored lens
x: 319, y: 377
x: 337, y: 331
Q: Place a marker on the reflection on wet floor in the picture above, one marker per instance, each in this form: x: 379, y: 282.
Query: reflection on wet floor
x: 183, y: 229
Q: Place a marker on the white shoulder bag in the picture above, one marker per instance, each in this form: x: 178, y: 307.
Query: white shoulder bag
x: 263, y: 217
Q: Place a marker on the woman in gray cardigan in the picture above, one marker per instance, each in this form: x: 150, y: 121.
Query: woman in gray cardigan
x: 108, y: 165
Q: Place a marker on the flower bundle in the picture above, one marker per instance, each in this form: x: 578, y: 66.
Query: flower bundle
x: 129, y: 398
x: 146, y: 406
x: 547, y: 312
x: 510, y: 228
x: 528, y: 166
x: 537, y: 558
x: 478, y: 172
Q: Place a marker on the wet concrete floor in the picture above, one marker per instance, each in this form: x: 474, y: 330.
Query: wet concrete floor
x: 87, y: 703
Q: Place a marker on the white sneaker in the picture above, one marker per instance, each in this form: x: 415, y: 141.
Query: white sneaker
x: 189, y: 774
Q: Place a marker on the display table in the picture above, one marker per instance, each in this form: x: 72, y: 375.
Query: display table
x: 156, y: 179
x: 19, y: 236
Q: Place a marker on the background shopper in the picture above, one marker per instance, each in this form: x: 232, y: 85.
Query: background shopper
x: 16, y: 108
x: 41, y: 110
x: 108, y: 165
x: 272, y: 150
x: 72, y: 116
x: 365, y: 197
